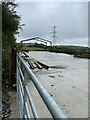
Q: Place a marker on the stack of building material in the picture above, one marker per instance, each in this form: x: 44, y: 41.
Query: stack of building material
x: 34, y: 63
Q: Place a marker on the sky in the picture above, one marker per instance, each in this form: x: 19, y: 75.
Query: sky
x: 71, y: 19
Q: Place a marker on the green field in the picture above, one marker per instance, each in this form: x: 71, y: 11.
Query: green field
x: 77, y: 51
x: 25, y: 48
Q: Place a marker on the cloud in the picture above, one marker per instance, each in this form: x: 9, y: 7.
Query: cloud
x: 71, y: 19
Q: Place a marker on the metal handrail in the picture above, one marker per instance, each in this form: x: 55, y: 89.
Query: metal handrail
x: 52, y: 106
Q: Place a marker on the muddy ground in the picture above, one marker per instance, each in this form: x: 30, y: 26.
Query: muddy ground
x: 66, y: 81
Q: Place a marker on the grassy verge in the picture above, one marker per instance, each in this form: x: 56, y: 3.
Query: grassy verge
x: 5, y: 96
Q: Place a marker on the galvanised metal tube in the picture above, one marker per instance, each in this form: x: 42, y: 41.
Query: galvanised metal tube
x: 26, y: 107
x: 20, y: 102
x: 19, y: 92
x: 28, y: 94
x: 32, y: 105
x: 21, y: 86
x: 20, y: 71
x: 54, y: 109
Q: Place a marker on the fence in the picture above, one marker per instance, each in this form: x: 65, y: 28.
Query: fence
x: 24, y: 95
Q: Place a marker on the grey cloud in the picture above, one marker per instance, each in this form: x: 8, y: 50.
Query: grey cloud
x: 71, y: 19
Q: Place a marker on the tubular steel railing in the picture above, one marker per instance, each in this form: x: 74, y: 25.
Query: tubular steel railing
x: 24, y: 95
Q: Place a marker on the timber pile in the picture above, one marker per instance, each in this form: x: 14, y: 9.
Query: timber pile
x: 34, y: 63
